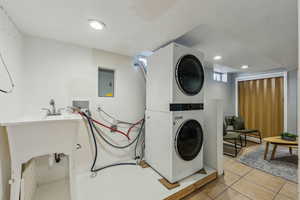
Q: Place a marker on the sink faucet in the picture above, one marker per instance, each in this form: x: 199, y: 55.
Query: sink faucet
x: 52, y: 105
x: 52, y: 111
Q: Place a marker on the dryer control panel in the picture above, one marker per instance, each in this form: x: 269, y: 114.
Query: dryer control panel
x: 186, y: 106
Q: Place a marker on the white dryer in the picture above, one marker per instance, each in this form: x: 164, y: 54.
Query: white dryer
x: 175, y: 75
x: 174, y: 143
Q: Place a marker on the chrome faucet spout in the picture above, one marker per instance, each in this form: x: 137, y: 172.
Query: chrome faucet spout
x: 52, y: 111
x: 52, y: 105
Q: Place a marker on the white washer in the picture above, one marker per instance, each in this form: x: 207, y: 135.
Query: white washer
x: 174, y: 143
x: 175, y: 75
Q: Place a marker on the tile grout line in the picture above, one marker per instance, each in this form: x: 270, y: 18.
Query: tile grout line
x: 239, y: 174
x: 250, y: 181
x: 221, y: 192
x: 240, y: 177
x: 280, y: 190
x: 242, y: 194
x: 240, y: 180
x: 243, y: 176
x: 229, y: 186
x: 262, y: 185
x: 286, y: 182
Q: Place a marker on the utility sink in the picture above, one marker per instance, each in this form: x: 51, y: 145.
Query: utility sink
x: 34, y: 136
x: 40, y: 118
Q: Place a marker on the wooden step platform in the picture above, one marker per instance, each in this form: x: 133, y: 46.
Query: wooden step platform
x: 193, y: 187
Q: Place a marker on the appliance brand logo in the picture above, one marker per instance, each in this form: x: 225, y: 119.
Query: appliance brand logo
x: 178, y: 117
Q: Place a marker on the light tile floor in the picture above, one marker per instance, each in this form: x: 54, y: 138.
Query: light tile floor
x: 241, y: 182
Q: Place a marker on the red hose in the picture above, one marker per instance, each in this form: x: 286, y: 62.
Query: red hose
x: 113, y: 129
x: 133, y: 125
x: 121, y: 132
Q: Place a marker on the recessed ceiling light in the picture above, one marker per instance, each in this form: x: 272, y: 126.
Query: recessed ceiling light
x: 245, y: 67
x: 96, y: 24
x: 217, y: 57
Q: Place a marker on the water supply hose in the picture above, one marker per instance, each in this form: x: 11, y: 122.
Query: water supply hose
x: 113, y: 129
x: 116, y: 146
x: 93, y: 127
x: 9, y: 76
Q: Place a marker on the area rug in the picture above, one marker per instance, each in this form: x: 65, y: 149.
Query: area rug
x: 284, y: 165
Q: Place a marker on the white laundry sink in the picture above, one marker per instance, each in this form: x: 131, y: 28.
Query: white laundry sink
x: 34, y: 136
x: 39, y: 118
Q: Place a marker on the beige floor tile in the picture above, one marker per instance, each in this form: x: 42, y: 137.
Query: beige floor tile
x: 227, y: 160
x: 229, y: 178
x: 282, y: 197
x: 268, y: 181
x: 231, y: 194
x: 213, y: 189
x: 198, y: 195
x: 290, y: 189
x: 252, y: 190
x: 237, y: 168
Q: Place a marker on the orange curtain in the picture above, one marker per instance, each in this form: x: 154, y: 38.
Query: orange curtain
x: 261, y: 105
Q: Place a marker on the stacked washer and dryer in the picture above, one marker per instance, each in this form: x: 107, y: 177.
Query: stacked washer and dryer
x: 174, y: 112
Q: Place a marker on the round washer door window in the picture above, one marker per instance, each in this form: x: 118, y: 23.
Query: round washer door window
x: 190, y: 75
x: 189, y: 140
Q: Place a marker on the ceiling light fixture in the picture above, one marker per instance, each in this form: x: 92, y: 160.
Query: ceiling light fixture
x: 96, y: 24
x: 245, y: 67
x: 217, y: 57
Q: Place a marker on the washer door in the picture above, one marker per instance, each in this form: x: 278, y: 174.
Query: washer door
x: 189, y: 140
x: 189, y: 75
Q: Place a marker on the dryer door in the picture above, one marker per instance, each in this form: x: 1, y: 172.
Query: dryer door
x: 189, y: 140
x: 189, y: 75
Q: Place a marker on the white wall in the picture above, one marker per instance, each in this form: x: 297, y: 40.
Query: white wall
x: 220, y: 90
x: 65, y: 72
x: 292, y: 101
x: 298, y: 90
x: 11, y: 49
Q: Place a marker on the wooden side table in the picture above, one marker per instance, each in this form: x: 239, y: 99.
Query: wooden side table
x: 277, y: 141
